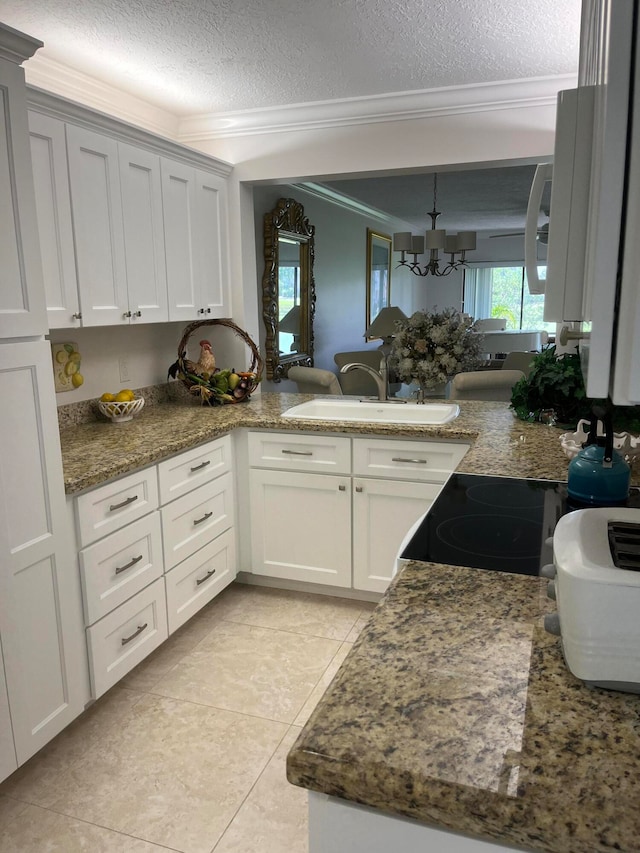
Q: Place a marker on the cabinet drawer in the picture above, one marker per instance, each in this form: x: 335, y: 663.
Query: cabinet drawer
x: 406, y: 460
x: 200, y: 578
x: 109, y: 507
x: 120, y: 565
x: 196, y: 518
x: 187, y: 471
x: 326, y: 454
x: 126, y: 636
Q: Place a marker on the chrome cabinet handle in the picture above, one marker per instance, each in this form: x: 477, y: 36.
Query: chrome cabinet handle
x: 127, y: 314
x: 125, y: 502
x: 204, y: 518
x: 401, y: 459
x: 298, y: 452
x: 359, y: 489
x: 205, y: 578
x: 201, y: 466
x: 77, y: 316
x: 137, y: 313
x: 342, y: 488
x: 126, y: 640
x: 135, y: 560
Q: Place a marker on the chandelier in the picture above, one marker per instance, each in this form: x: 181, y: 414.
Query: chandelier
x: 436, y: 239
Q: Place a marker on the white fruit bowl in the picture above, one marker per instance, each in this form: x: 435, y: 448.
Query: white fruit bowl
x: 626, y: 444
x: 120, y: 413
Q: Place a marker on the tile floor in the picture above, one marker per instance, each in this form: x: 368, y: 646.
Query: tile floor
x: 188, y: 752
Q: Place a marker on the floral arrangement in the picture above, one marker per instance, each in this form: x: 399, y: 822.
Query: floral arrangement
x: 430, y: 348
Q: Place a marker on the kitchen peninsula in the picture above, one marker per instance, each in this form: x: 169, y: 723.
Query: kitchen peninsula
x: 454, y: 708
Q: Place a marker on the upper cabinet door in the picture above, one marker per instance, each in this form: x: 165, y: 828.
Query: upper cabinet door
x: 97, y: 219
x: 143, y: 234
x: 178, y: 197
x: 22, y: 301
x: 53, y: 206
x: 211, y: 247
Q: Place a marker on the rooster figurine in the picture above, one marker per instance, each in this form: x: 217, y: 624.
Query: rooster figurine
x: 204, y: 367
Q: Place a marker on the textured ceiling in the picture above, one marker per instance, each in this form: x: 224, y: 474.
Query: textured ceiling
x: 209, y: 56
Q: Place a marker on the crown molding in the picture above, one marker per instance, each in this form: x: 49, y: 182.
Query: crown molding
x: 398, y: 106
x: 16, y: 46
x: 344, y: 201
x: 42, y: 101
x: 45, y: 73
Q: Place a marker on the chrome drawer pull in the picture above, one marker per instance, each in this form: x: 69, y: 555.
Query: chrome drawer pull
x: 125, y: 502
x: 204, y: 518
x: 126, y: 640
x: 342, y: 488
x: 135, y: 560
x: 298, y: 452
x: 201, y: 465
x: 359, y: 489
x: 205, y: 578
x: 400, y: 459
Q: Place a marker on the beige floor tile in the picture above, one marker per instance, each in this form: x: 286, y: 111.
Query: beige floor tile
x: 174, y: 773
x: 322, y: 685
x: 361, y: 621
x: 299, y: 612
x: 37, y: 830
x: 37, y: 780
x: 9, y: 809
x: 164, y: 658
x: 258, y: 671
x: 273, y: 818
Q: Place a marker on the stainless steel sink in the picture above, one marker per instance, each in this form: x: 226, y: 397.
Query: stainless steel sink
x: 368, y: 411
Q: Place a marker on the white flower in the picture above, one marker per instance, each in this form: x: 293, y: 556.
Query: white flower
x: 431, y: 348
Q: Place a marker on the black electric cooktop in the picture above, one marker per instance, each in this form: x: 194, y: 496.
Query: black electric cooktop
x: 499, y: 523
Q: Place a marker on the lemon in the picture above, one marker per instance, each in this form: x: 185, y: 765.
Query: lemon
x: 107, y: 397
x: 71, y: 367
x: 61, y: 356
x: 75, y: 356
x: 129, y: 393
x: 77, y: 379
x: 122, y: 397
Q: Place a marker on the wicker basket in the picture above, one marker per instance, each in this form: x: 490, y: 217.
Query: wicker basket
x: 209, y: 390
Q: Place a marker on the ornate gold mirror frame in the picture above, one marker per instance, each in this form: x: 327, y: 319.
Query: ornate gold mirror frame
x: 288, y: 289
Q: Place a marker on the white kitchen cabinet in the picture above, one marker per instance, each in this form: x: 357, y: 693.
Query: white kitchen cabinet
x: 383, y: 511
x: 143, y: 234
x: 8, y: 759
x: 301, y: 526
x: 98, y: 225
x: 41, y: 628
x: 53, y: 206
x: 196, y: 241
x: 333, y: 510
x: 22, y: 304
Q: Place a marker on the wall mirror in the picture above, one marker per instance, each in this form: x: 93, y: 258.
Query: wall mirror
x: 378, y: 274
x: 288, y: 289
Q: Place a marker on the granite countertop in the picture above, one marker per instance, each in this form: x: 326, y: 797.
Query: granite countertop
x: 455, y: 708
x: 95, y: 452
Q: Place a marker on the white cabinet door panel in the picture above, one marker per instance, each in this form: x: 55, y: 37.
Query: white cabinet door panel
x: 301, y: 526
x: 196, y: 518
x: 212, y: 243
x: 383, y: 512
x: 143, y: 234
x: 200, y: 578
x: 40, y: 597
x: 97, y: 220
x: 178, y: 198
x: 8, y: 760
x: 22, y: 304
x: 120, y: 565
x: 53, y: 206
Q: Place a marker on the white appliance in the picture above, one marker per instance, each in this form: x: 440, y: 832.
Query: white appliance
x: 593, y: 266
x: 596, y: 554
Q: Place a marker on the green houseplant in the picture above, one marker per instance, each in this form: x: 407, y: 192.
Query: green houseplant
x: 555, y: 382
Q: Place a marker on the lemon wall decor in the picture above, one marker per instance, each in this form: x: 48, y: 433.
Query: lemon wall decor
x: 66, y: 366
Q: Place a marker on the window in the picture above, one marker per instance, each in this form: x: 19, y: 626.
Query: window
x: 503, y: 292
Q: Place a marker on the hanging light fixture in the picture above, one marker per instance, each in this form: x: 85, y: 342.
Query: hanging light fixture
x: 435, y: 239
